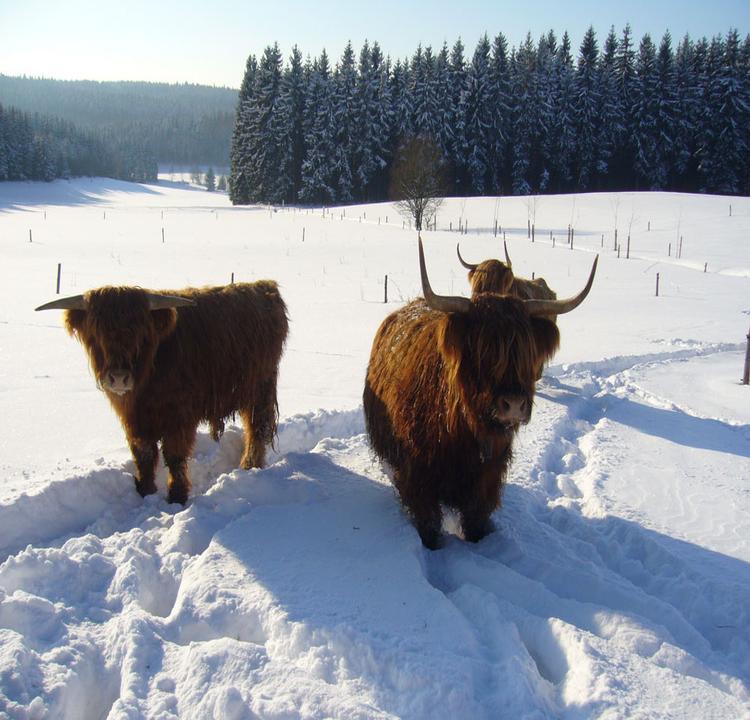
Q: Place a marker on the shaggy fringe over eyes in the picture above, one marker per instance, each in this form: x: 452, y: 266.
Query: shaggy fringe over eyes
x: 491, y: 276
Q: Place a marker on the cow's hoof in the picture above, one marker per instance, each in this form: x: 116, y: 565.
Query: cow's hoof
x: 145, y: 488
x: 177, y: 496
x: 476, y: 533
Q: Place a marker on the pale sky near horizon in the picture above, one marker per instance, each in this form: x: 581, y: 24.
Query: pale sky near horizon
x: 208, y: 43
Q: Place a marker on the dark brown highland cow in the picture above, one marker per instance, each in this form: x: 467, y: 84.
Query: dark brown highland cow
x: 448, y: 384
x: 169, y: 360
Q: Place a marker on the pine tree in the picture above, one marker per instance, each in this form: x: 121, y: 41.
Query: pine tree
x: 479, y: 122
x: 724, y: 151
x: 499, y: 78
x: 459, y: 150
x: 523, y: 73
x: 645, y: 109
x: 613, y: 116
x: 560, y: 141
x: 687, y: 96
x: 319, y: 180
x: 292, y: 107
x: 268, y: 156
x: 622, y: 172
x: 210, y: 180
x: 239, y: 189
x: 592, y: 155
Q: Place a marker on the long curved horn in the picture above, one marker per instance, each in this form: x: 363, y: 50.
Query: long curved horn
x: 443, y: 303
x: 463, y: 262
x: 560, y: 307
x: 162, y: 302
x: 507, y: 257
x: 74, y: 302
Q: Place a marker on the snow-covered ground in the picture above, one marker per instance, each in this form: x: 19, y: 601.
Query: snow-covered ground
x: 618, y: 581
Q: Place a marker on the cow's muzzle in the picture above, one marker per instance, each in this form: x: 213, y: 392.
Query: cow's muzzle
x: 118, y: 382
x: 511, y: 410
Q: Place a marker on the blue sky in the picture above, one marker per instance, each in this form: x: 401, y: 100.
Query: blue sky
x: 208, y: 42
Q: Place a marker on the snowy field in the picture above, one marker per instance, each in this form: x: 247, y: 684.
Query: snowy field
x: 617, y: 584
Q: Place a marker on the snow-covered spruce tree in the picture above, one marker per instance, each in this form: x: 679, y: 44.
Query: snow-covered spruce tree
x: 612, y: 109
x: 542, y: 161
x: 499, y: 80
x: 442, y: 89
x: 239, y: 192
x: 591, y: 156
x: 479, y: 120
x: 724, y: 150
x: 525, y: 125
x: 666, y: 114
x: 319, y: 180
x: 424, y: 111
x: 459, y: 149
x: 268, y: 147
x: 645, y: 110
x: 559, y: 141
x: 370, y: 124
x: 400, y: 106
x: 687, y: 97
x: 292, y: 105
x: 621, y: 172
x: 344, y: 82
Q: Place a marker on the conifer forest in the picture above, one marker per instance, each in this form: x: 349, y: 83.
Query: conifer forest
x: 622, y: 115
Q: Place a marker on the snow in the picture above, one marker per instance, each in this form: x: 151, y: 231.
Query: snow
x: 616, y: 585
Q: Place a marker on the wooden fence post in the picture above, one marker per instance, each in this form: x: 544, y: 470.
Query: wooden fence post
x: 746, y: 373
x: 59, y: 271
x: 385, y: 298
x: 657, y: 284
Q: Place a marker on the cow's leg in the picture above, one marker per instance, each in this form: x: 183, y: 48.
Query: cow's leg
x: 422, y: 504
x: 481, y: 501
x: 176, y: 448
x: 145, y: 455
x: 260, y: 426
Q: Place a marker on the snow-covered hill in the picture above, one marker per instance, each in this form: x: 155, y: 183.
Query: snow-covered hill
x: 617, y: 583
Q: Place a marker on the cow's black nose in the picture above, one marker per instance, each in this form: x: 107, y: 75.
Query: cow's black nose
x: 513, y: 408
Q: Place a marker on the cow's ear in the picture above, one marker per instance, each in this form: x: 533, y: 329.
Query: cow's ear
x: 164, y: 321
x: 74, y: 321
x: 546, y: 337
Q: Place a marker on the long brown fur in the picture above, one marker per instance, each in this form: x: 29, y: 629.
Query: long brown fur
x: 432, y: 383
x: 491, y: 276
x: 191, y: 364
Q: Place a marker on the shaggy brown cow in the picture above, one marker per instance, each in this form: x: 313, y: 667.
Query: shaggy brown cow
x: 448, y: 384
x: 169, y: 360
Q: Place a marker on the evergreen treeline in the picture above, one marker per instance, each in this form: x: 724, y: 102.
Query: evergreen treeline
x: 182, y: 124
x: 508, y: 121
x: 44, y: 148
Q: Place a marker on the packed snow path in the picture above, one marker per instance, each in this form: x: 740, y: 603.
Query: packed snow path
x: 302, y: 590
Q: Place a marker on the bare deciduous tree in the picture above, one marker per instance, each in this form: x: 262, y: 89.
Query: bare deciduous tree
x: 418, y: 180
